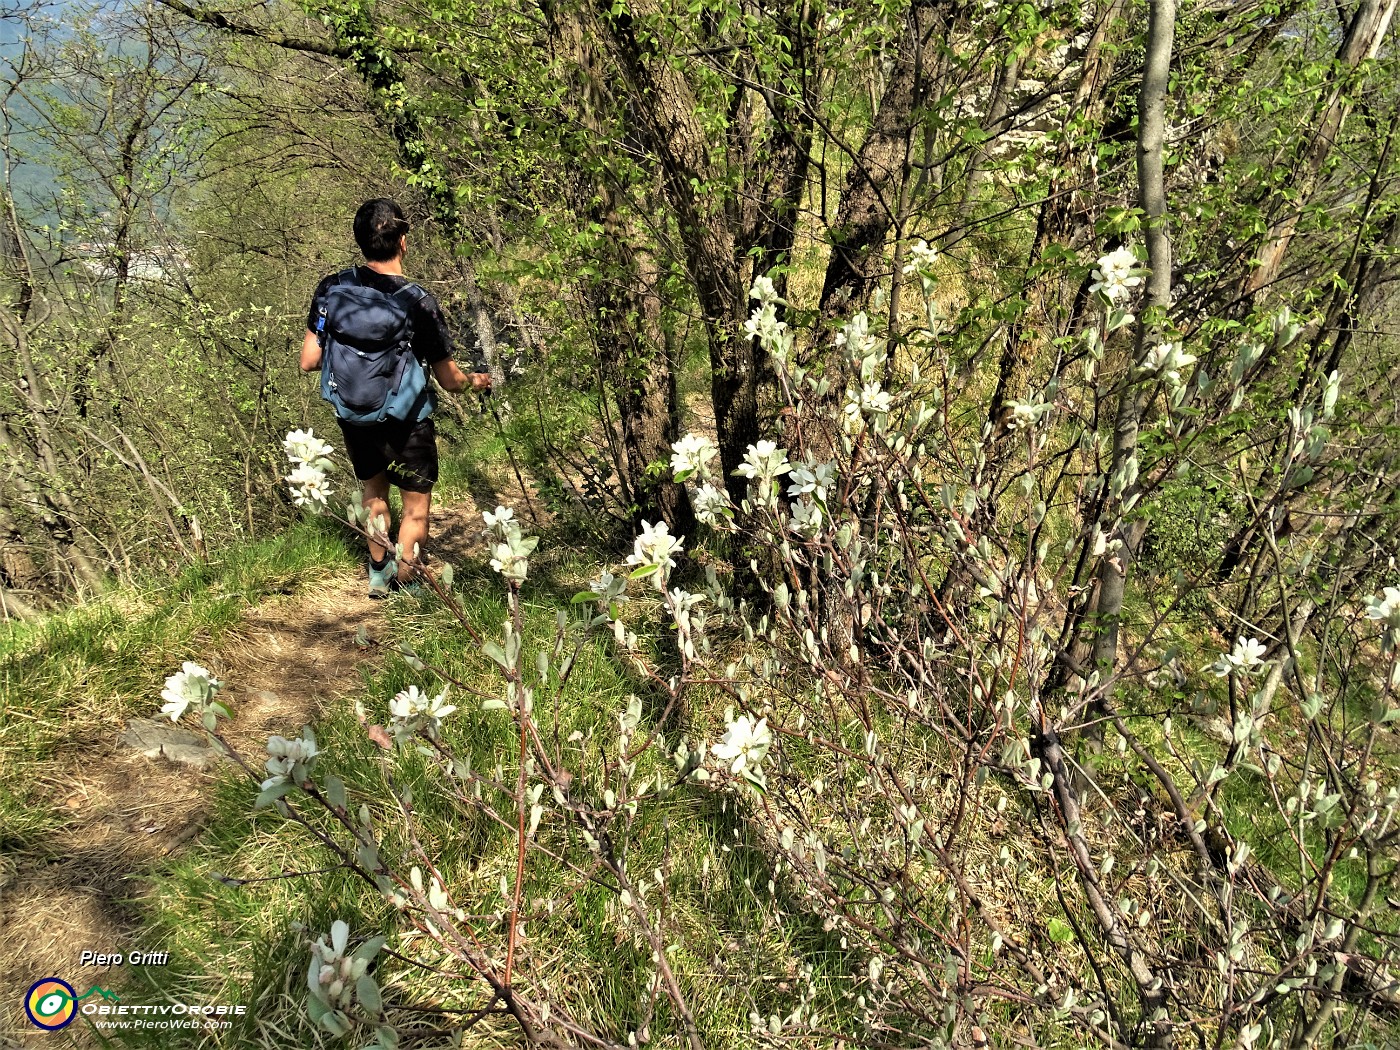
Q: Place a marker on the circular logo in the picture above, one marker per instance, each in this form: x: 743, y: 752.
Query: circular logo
x: 51, y: 1004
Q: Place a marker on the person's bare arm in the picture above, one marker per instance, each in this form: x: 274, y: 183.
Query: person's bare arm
x: 450, y: 377
x: 310, y: 352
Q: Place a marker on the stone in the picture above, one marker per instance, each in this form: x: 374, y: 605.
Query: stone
x: 159, y: 738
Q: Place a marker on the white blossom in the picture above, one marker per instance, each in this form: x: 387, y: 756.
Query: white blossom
x: 192, y: 684
x: 1166, y: 360
x: 304, y: 447
x: 712, y: 506
x: 1117, y: 275
x: 744, y: 745
x: 309, y: 486
x: 1385, y: 607
x: 764, y: 460
x: 1026, y: 414
x: 921, y: 258
x: 290, y: 760
x: 500, y: 517
x: 692, y: 455
x: 807, y: 517
x: 856, y: 338
x: 510, y: 548
x: 873, y: 400
x: 812, y: 479
x: 1246, y: 657
x: 412, y: 711
x: 683, y: 604
x: 764, y: 291
x: 654, y: 550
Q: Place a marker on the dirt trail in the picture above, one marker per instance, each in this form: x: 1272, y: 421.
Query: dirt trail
x: 131, y: 802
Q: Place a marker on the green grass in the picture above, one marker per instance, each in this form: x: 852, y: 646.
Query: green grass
x: 70, y: 678
x: 237, y: 943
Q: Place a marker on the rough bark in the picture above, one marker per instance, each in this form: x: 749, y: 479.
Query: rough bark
x: 866, y: 214
x: 665, y: 121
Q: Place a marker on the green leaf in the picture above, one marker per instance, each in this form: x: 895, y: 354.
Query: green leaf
x: 1060, y: 931
x: 368, y: 993
x: 268, y: 796
x: 370, y: 948
x: 335, y: 793
x: 493, y: 650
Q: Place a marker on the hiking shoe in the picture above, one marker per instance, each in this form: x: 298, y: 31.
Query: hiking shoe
x: 381, y: 581
x: 411, y: 588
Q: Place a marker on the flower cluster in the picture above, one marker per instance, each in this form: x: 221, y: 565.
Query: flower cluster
x: 712, y: 506
x: 310, y: 459
x: 413, y: 711
x: 194, y: 686
x: 1117, y: 275
x: 1026, y: 414
x: 510, y: 548
x: 743, y: 747
x: 1246, y: 658
x: 921, y: 258
x: 291, y: 761
x: 691, y: 455
x: 764, y: 461
x: 773, y: 335
x: 653, y: 553
x: 1166, y: 360
x: 336, y: 980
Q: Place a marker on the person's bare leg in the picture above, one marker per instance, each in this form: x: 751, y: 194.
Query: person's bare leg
x: 413, y: 527
x: 376, y: 500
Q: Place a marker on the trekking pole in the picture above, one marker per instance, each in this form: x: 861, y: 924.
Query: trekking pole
x: 510, y: 452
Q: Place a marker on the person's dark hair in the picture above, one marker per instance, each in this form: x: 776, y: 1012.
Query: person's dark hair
x: 378, y: 226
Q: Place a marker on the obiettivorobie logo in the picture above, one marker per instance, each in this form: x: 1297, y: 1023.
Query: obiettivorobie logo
x: 52, y: 1003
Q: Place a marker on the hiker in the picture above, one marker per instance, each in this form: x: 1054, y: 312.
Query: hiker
x: 373, y: 333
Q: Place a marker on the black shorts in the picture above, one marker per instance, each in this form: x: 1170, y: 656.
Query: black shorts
x: 408, y: 451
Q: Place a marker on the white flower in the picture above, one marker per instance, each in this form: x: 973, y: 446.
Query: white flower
x: 712, y: 506
x: 850, y: 411
x: 1386, y: 607
x: 1248, y: 654
x: 764, y: 291
x: 1117, y: 275
x: 609, y: 588
x: 285, y: 756
x: 309, y: 486
x: 511, y: 557
x: 304, y: 448
x: 744, y: 744
x: 191, y: 684
x: 814, y: 479
x: 692, y: 455
x: 856, y: 338
x: 921, y: 258
x: 873, y: 400
x: 764, y: 460
x: 653, y: 550
x: 1026, y: 414
x: 501, y: 516
x: 683, y: 603
x: 412, y: 711
x: 510, y: 549
x: 1166, y: 360
x: 807, y: 518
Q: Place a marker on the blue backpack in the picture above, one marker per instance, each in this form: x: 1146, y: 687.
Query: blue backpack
x: 368, y: 371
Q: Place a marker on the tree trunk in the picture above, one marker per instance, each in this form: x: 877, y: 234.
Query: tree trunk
x: 1112, y: 576
x: 1363, y: 40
